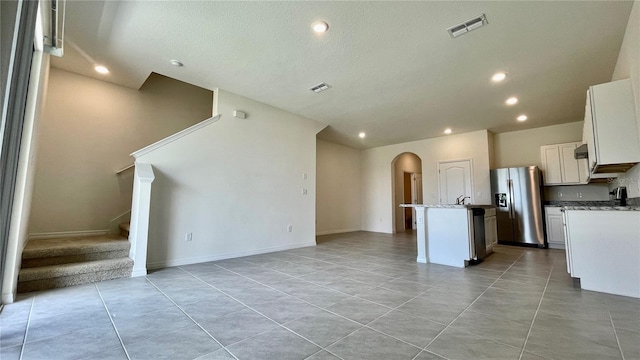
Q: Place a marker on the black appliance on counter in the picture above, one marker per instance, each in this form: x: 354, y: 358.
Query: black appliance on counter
x: 619, y: 195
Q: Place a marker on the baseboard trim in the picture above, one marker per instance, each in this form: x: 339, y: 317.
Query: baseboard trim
x: 138, y: 273
x: 62, y: 234
x: 339, y: 231
x: 556, y: 246
x: 8, y: 298
x: 201, y: 259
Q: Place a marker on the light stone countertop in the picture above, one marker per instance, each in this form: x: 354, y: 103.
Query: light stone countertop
x: 602, y: 208
x: 449, y: 206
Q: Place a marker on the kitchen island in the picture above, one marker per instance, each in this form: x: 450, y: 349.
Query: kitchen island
x: 446, y: 233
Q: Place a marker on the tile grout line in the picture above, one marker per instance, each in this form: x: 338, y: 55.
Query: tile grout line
x: 468, y: 306
x: 351, y: 296
x: 318, y: 307
x: 260, y: 313
x: 104, y: 304
x: 325, y: 261
x: 259, y: 265
x: 615, y: 332
x: 526, y: 339
x: 26, y: 330
x: 339, y: 315
x: 189, y: 316
x: 289, y: 261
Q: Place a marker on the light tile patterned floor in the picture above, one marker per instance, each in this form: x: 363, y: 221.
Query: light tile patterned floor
x: 354, y: 296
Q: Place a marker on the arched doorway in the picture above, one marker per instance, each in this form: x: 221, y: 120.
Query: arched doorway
x: 407, y: 189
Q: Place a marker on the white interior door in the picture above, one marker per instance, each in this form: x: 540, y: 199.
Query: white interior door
x: 416, y: 194
x: 454, y: 180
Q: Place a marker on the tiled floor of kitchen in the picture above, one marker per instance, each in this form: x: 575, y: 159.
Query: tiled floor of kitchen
x: 354, y: 296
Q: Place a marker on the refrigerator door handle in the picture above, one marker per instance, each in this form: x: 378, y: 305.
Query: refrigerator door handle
x: 510, y: 190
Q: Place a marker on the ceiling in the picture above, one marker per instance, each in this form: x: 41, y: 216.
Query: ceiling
x: 395, y: 72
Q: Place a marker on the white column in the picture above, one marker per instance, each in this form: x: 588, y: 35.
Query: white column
x: 421, y: 219
x: 140, y: 211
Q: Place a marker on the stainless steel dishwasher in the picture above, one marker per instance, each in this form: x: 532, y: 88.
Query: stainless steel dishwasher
x: 479, y: 242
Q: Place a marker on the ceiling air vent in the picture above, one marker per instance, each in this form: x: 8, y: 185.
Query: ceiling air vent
x: 320, y: 87
x: 465, y: 27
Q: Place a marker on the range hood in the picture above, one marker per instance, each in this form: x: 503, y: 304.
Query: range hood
x: 581, y: 152
x: 607, y: 172
x: 601, y: 171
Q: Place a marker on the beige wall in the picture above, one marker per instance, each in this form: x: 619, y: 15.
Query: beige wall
x: 406, y: 162
x: 628, y: 66
x: 87, y: 131
x: 377, y: 173
x: 236, y: 185
x: 522, y: 148
x: 337, y: 188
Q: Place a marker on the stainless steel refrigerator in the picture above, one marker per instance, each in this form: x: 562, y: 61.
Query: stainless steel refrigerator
x: 517, y: 195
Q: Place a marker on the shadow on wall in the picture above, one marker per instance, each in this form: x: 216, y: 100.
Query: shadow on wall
x: 406, y: 189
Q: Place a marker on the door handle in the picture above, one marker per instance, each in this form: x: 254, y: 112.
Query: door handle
x: 511, y: 200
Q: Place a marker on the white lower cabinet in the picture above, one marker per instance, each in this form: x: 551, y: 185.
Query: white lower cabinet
x: 603, y: 250
x: 490, y: 229
x: 555, y: 230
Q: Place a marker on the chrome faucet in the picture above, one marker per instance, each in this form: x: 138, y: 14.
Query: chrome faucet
x: 460, y: 199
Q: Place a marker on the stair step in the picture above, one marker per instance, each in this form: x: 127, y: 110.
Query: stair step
x: 55, y: 276
x: 43, y: 252
x: 78, y: 258
x: 124, y: 229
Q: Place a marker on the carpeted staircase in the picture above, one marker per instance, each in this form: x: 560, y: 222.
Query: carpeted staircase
x: 60, y: 262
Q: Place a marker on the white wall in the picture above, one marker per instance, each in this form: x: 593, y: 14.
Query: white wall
x: 522, y: 148
x: 338, y: 204
x: 409, y: 163
x: 87, y: 131
x: 235, y: 184
x: 628, y: 66
x: 377, y: 168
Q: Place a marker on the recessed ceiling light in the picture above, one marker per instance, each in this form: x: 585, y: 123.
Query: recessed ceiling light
x: 522, y: 117
x: 498, y: 77
x: 362, y: 135
x: 176, y: 63
x: 320, y: 26
x: 101, y: 69
x: 512, y: 100
x: 447, y: 131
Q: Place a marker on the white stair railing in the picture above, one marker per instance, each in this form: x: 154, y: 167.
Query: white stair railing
x: 140, y: 211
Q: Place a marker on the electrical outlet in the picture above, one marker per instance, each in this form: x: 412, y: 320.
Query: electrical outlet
x: 579, y: 195
x: 559, y: 194
x: 188, y: 237
x: 304, y: 191
x: 289, y: 228
x: 304, y: 176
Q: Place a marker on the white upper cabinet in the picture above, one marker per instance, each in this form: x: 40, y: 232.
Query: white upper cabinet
x: 610, y: 127
x: 560, y: 167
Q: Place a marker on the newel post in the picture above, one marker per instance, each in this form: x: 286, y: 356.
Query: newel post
x: 140, y: 211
